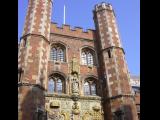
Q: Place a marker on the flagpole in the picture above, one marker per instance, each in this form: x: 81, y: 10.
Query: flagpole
x: 64, y: 19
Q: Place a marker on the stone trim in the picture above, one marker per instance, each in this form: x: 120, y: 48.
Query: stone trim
x: 113, y: 47
x: 70, y: 96
x: 119, y: 96
x: 90, y: 97
x: 20, y: 84
x: 37, y: 35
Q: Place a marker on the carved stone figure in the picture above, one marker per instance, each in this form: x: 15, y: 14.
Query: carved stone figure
x: 74, y: 65
x: 65, y: 115
x: 86, y: 116
x: 75, y: 84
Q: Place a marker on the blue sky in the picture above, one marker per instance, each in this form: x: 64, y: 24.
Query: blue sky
x: 79, y: 13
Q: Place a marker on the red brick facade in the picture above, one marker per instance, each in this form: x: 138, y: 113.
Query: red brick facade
x: 110, y: 68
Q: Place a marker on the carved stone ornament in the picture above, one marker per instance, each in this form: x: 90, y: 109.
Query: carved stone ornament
x: 75, y: 108
x: 87, y: 116
x: 55, y: 103
x: 74, y: 65
x: 65, y: 114
x: 96, y: 108
x: 75, y: 84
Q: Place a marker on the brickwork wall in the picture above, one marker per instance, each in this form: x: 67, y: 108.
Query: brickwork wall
x: 137, y: 98
x: 73, y: 47
x: 30, y: 98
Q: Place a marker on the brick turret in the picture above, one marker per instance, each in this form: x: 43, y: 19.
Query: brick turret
x: 33, y: 58
x: 118, y: 99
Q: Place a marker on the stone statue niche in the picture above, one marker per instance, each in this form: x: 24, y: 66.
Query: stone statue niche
x: 74, y: 71
x: 75, y: 84
x: 75, y: 65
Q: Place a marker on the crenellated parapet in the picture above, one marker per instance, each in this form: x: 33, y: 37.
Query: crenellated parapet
x: 78, y: 32
x: 103, y: 6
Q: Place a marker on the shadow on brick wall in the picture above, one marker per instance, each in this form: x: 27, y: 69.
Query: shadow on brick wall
x: 128, y: 112
x: 124, y: 113
x: 33, y: 98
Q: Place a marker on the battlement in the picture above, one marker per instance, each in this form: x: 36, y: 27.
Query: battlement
x: 76, y: 32
x: 103, y: 6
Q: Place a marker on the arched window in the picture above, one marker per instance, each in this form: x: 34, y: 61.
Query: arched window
x: 58, y: 52
x: 90, y: 87
x: 84, y: 58
x: 54, y: 54
x: 56, y: 84
x: 61, y: 55
x: 86, y: 88
x: 59, y: 86
x: 88, y: 57
x: 93, y: 89
x: 51, y: 86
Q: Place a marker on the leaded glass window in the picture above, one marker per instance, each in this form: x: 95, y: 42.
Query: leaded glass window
x: 86, y: 89
x: 61, y: 55
x: 84, y: 58
x: 59, y: 86
x: 56, y: 84
x: 89, y: 87
x: 93, y: 89
x: 88, y: 57
x: 54, y: 54
x: 58, y: 53
x: 51, y: 86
